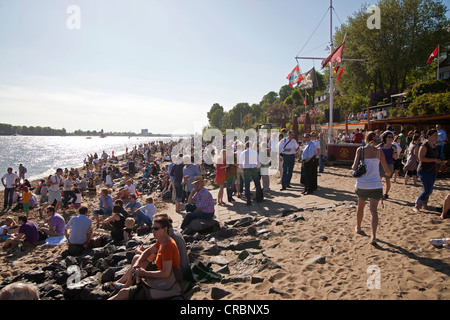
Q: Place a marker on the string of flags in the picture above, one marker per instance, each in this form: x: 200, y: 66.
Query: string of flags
x: 296, y: 77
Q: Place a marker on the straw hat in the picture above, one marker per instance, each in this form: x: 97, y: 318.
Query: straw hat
x: 198, y: 179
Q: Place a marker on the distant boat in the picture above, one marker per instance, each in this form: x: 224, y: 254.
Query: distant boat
x: 88, y: 137
x: 103, y: 135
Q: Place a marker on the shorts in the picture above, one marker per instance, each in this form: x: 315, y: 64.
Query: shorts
x: 54, y: 195
x: 391, y: 168
x: 26, y: 207
x: 366, y: 194
x: 398, y: 165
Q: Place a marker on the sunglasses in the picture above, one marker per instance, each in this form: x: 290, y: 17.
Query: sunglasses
x: 156, y: 228
x: 390, y: 137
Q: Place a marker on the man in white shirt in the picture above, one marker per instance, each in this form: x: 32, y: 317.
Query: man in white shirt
x: 249, y: 162
x: 68, y: 191
x: 9, y: 182
x: 53, y: 188
x: 288, y: 149
x: 128, y: 189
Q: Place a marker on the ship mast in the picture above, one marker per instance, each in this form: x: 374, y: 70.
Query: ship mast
x: 330, y: 123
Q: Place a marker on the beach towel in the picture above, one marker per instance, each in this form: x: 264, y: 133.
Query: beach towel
x: 53, y: 241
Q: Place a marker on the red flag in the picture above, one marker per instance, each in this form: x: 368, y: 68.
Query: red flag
x: 335, y: 56
x: 295, y: 76
x: 433, y: 55
x: 340, y: 74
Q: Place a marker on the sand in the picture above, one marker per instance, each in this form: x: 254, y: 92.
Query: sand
x: 404, y: 265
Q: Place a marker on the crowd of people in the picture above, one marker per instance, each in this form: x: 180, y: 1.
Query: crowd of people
x: 419, y: 155
x: 379, y: 114
x: 120, y: 213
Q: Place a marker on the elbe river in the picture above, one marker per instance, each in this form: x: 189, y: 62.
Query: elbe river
x: 42, y: 155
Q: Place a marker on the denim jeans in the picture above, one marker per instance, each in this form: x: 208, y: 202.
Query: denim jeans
x: 142, y: 217
x: 9, y: 192
x: 427, y: 179
x: 288, y: 167
x: 191, y: 215
x: 253, y: 175
x: 321, y: 163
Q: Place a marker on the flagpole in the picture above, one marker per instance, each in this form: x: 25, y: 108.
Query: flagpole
x: 330, y: 123
x: 439, y: 48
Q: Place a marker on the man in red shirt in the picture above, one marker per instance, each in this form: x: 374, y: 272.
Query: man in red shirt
x: 358, y: 137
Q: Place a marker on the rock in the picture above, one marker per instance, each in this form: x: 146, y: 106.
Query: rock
x: 219, y: 260
x: 36, y: 276
x: 225, y: 270
x: 263, y: 221
x: 266, y: 263
x: 244, y: 222
x: 91, y: 292
x: 317, y: 259
x: 276, y: 291
x: 234, y: 279
x: 202, y: 226
x: 108, y: 275
x: 256, y: 279
x: 248, y: 244
x: 218, y: 293
x: 115, y: 258
x: 243, y: 255
x: 252, y: 231
x: 49, y: 290
x: 73, y: 291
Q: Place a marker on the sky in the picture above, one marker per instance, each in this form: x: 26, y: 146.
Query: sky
x: 127, y: 65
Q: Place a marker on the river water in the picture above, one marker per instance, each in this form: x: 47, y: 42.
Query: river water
x: 42, y: 155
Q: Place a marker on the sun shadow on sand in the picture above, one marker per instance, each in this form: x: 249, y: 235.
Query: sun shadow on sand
x: 436, y: 264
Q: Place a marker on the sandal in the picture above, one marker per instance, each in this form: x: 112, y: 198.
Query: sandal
x: 373, y: 241
x: 112, y: 286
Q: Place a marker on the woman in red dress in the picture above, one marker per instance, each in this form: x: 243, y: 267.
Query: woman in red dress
x: 221, y: 168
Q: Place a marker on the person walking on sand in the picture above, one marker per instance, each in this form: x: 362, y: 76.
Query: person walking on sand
x: 9, y: 182
x: 410, y: 167
x: 308, y: 166
x: 288, y: 148
x: 53, y: 192
x: 369, y: 186
x: 428, y: 165
x: 390, y: 154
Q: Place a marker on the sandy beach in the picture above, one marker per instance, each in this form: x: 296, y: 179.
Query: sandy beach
x: 321, y: 257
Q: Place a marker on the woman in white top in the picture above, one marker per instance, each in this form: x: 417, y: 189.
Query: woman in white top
x: 369, y: 186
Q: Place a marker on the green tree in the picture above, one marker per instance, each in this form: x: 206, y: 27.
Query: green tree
x: 215, y: 115
x: 410, y: 30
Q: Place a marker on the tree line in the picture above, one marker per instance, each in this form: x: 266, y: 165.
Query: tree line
x: 8, y: 130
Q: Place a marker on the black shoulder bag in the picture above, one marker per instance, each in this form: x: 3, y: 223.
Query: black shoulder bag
x: 361, y: 169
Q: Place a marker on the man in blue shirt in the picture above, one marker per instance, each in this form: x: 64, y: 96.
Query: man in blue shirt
x: 288, y: 149
x: 308, y: 166
x: 440, y: 143
x: 106, y: 205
